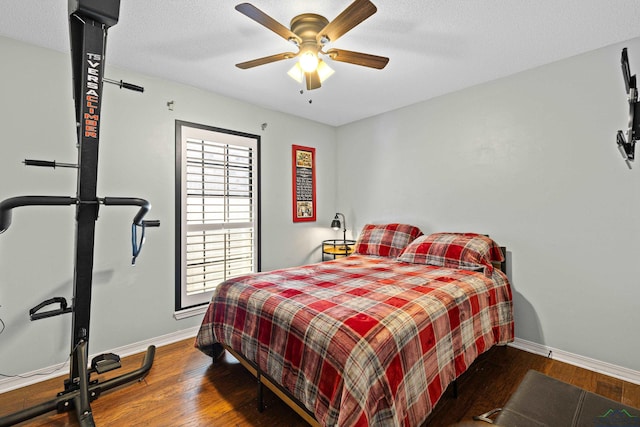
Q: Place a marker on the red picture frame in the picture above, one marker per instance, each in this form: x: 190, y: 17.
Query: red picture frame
x: 303, y: 170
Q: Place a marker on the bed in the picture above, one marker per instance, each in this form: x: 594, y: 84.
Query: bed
x: 374, y: 338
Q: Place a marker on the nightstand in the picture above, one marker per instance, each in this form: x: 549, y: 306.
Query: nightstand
x: 337, y: 248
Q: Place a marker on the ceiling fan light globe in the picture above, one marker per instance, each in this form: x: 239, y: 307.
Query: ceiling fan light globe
x: 324, y: 71
x: 296, y: 73
x: 308, y: 62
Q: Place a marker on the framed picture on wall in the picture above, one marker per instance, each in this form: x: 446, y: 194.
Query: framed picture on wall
x: 304, y: 183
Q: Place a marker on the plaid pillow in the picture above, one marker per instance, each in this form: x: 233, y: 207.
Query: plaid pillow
x: 385, y: 239
x: 466, y: 251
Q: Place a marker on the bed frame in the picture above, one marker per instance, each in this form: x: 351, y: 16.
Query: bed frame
x: 278, y: 390
x: 285, y: 396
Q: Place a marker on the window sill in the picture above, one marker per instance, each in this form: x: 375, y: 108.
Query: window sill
x: 190, y: 312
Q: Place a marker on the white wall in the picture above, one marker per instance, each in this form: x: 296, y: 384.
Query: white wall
x: 531, y: 160
x: 130, y: 304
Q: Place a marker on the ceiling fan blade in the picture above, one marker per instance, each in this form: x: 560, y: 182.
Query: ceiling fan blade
x: 357, y: 58
x: 266, y: 60
x: 263, y: 19
x: 357, y: 12
x: 313, y: 80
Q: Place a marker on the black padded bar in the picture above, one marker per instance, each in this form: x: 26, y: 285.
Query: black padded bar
x: 41, y: 163
x: 131, y: 86
x: 130, y: 201
x: 124, y: 85
x: 15, y: 202
x: 48, y: 164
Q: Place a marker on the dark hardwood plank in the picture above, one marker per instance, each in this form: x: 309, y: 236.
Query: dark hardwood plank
x: 631, y: 394
x: 185, y: 388
x: 609, y: 387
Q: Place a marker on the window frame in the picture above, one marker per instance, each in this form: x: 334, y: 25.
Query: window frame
x: 183, y: 127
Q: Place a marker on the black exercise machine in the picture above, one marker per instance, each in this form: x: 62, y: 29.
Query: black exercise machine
x: 89, y: 21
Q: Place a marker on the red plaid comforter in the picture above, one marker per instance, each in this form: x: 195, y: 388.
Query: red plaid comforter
x: 362, y: 340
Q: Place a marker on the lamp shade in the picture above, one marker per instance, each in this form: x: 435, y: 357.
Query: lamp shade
x: 297, y: 73
x: 324, y: 71
x: 336, y: 225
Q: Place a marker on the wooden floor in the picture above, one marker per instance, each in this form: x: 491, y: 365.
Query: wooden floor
x: 185, y: 389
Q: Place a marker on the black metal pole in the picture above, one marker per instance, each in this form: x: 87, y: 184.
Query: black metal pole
x: 88, y: 39
x: 81, y: 400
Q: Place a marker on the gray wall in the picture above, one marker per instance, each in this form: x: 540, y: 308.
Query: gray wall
x: 130, y: 304
x: 531, y: 160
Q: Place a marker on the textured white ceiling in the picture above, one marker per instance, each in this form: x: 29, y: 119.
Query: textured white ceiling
x: 434, y: 46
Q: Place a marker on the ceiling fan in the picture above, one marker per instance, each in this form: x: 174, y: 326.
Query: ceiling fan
x: 310, y: 33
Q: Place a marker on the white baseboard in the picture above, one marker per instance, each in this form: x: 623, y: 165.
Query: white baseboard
x: 605, y: 368
x: 33, y: 377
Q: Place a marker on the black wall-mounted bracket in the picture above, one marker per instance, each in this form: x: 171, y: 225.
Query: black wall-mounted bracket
x: 627, y: 146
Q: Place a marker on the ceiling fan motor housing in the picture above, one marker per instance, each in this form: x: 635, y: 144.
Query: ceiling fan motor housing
x: 307, y: 26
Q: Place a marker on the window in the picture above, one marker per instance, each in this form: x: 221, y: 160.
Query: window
x: 217, y: 209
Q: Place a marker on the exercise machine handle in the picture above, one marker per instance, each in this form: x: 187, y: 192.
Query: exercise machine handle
x: 133, y: 87
x: 33, y: 313
x: 15, y: 202
x: 130, y: 201
x: 124, y: 85
x: 48, y: 164
x: 136, y: 243
x: 43, y: 163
